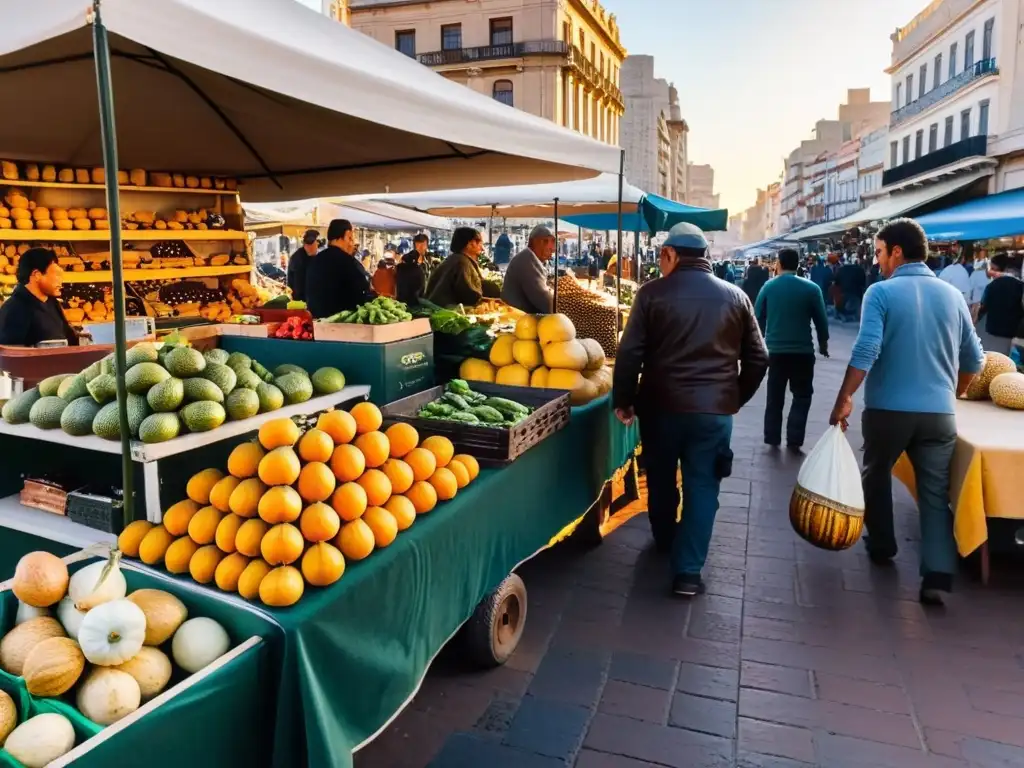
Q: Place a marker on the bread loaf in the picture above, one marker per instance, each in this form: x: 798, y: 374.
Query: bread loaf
x: 64, y: 224
x: 66, y: 176
x: 9, y: 170
x: 137, y: 176
x: 32, y: 172
x: 82, y: 175
x: 49, y: 173
x: 83, y: 224
x: 40, y: 213
x: 23, y: 223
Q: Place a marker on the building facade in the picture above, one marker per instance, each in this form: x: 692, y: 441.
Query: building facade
x: 700, y: 186
x: 337, y: 10
x: 559, y: 59
x: 842, y: 192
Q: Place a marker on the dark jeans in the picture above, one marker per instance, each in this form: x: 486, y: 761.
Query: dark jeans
x: 699, y: 442
x: 928, y: 440
x: 849, y: 308
x: 796, y: 370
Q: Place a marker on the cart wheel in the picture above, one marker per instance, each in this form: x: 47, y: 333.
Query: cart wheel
x: 494, y: 630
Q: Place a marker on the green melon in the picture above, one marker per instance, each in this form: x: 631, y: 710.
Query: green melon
x: 286, y: 368
x: 142, y: 377
x: 327, y: 381
x: 218, y: 356
x: 242, y: 404
x: 167, y: 396
x: 239, y: 361
x: 91, y: 372
x: 77, y: 418
x: 138, y: 410
x: 159, y: 427
x: 50, y: 386
x: 46, y: 411
x: 204, y: 416
x: 248, y: 380
x: 262, y: 372
x: 17, y: 409
x: 103, y: 388
x: 105, y: 424
x: 271, y: 398
x: 295, y: 387
x: 74, y: 388
x: 221, y: 375
x: 185, y: 362
x: 141, y: 353
x: 197, y: 390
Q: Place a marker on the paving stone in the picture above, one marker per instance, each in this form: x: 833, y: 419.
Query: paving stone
x: 776, y: 740
x: 710, y: 682
x: 591, y: 759
x: 886, y: 698
x: 752, y: 760
x: 769, y: 677
x: 464, y: 750
x: 550, y: 728
x: 635, y: 701
x: 658, y: 744
x: 571, y: 676
x: 697, y: 713
x: 643, y: 670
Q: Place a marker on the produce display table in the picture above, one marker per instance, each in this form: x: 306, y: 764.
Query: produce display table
x: 983, y: 475
x: 355, y: 653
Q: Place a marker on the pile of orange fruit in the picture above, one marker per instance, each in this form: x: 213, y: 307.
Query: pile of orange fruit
x: 293, y: 507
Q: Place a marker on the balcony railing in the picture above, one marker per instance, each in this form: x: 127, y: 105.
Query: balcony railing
x: 593, y: 75
x: 494, y: 52
x: 973, y: 147
x: 983, y: 68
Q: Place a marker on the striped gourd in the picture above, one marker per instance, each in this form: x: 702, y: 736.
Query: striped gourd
x: 823, y: 523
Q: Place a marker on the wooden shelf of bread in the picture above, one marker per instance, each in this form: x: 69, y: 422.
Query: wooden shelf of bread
x: 136, y: 180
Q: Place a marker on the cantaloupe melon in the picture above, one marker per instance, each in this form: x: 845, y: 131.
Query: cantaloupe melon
x: 1007, y: 390
x: 527, y: 354
x: 570, y: 355
x: 995, y: 364
x: 554, y: 328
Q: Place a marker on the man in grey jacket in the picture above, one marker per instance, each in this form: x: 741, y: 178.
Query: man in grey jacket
x: 525, y: 286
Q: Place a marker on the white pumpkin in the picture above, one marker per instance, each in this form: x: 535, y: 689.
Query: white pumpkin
x: 112, y: 633
x: 41, y: 740
x: 70, y: 617
x: 26, y: 612
x: 199, y: 642
x: 98, y: 583
x: 107, y: 695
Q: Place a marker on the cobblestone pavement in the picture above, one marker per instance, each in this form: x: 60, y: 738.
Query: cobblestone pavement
x: 795, y: 657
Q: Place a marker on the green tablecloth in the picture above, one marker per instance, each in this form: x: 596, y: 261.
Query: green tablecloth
x: 356, y: 651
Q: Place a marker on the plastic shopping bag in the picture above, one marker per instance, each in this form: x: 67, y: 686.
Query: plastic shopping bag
x: 827, y: 505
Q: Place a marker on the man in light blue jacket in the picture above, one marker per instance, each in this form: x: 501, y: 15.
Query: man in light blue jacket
x: 918, y: 350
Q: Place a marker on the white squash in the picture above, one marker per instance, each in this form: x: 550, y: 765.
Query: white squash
x: 112, y: 633
x: 26, y: 612
x: 151, y: 669
x: 70, y: 617
x: 199, y: 642
x: 98, y: 583
x: 107, y: 695
x: 41, y: 740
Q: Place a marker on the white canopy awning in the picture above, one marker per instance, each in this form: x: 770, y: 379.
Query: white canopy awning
x: 890, y: 207
x: 596, y: 195
x: 318, y: 213
x: 289, y: 102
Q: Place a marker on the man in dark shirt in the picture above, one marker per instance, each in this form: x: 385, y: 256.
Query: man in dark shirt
x: 756, y: 277
x: 298, y: 264
x: 335, y: 280
x: 852, y: 281
x: 32, y: 314
x: 1002, y: 307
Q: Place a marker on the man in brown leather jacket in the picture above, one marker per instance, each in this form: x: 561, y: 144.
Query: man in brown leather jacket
x: 694, y: 344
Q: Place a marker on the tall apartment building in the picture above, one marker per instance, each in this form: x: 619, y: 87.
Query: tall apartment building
x: 559, y: 59
x: 700, y: 189
x: 678, y: 134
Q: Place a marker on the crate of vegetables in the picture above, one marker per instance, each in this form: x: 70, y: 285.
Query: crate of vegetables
x: 376, y: 322
x: 492, y: 422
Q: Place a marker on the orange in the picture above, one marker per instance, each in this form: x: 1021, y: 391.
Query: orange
x: 316, y: 445
x: 221, y: 493
x: 244, y: 460
x: 316, y: 482
x: 251, y: 578
x: 349, y: 501
x: 322, y: 565
x: 319, y: 522
x: 179, y: 555
x: 131, y: 537
x: 281, y: 504
x: 229, y: 571
x: 279, y: 433
x: 355, y: 540
x: 227, y: 531
x: 400, y: 475
x: 202, y: 528
x: 250, y: 537
x: 377, y: 487
x: 375, y: 448
x: 203, y: 565
x: 422, y: 462
x: 444, y: 483
x: 282, y: 545
x: 458, y: 469
x: 441, y: 447
x: 200, y: 485
x: 154, y: 545
x: 367, y: 417
x: 339, y: 425
x: 469, y: 463
x: 281, y: 587
x: 423, y: 497
x: 383, y: 525
x: 280, y: 467
x: 403, y: 438
x: 347, y: 463
x: 402, y: 510
x: 245, y: 499
x: 177, y: 518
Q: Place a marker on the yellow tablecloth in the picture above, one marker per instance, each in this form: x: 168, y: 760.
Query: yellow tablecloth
x: 987, y: 470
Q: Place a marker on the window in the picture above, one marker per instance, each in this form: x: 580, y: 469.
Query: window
x: 952, y: 61
x: 986, y: 39
x: 922, y: 85
x: 910, y: 88
x: 593, y: 53
x: 938, y: 71
x: 405, y: 42
x: 894, y: 154
x: 567, y: 31
x: 969, y: 50
x: 451, y: 37
x: 919, y: 144
x: 899, y: 95
x: 583, y: 42
x: 501, y: 31
x: 503, y: 92
x: 983, y: 118
x: 965, y: 124
x: 948, y: 138
x: 906, y: 149
x: 933, y: 137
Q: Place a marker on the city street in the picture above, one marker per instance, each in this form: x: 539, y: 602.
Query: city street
x: 795, y: 657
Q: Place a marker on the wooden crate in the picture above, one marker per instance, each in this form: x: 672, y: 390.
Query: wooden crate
x: 491, y: 446
x: 260, y: 331
x: 371, y: 334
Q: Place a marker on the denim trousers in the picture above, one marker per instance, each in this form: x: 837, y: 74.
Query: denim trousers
x: 797, y: 371
x: 698, y: 443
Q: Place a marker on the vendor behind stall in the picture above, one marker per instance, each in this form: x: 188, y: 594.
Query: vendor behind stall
x: 458, y: 279
x: 298, y: 264
x: 335, y: 280
x: 410, y: 276
x: 32, y: 314
x: 525, y: 286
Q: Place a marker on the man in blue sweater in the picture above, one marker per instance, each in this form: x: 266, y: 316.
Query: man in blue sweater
x: 918, y: 350
x: 785, y: 309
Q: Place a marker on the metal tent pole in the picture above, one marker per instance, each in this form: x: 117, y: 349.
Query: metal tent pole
x: 554, y: 302
x: 108, y: 131
x: 636, y: 251
x: 490, y: 234
x: 618, y: 260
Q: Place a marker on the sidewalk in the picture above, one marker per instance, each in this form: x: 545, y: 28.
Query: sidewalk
x: 795, y: 657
